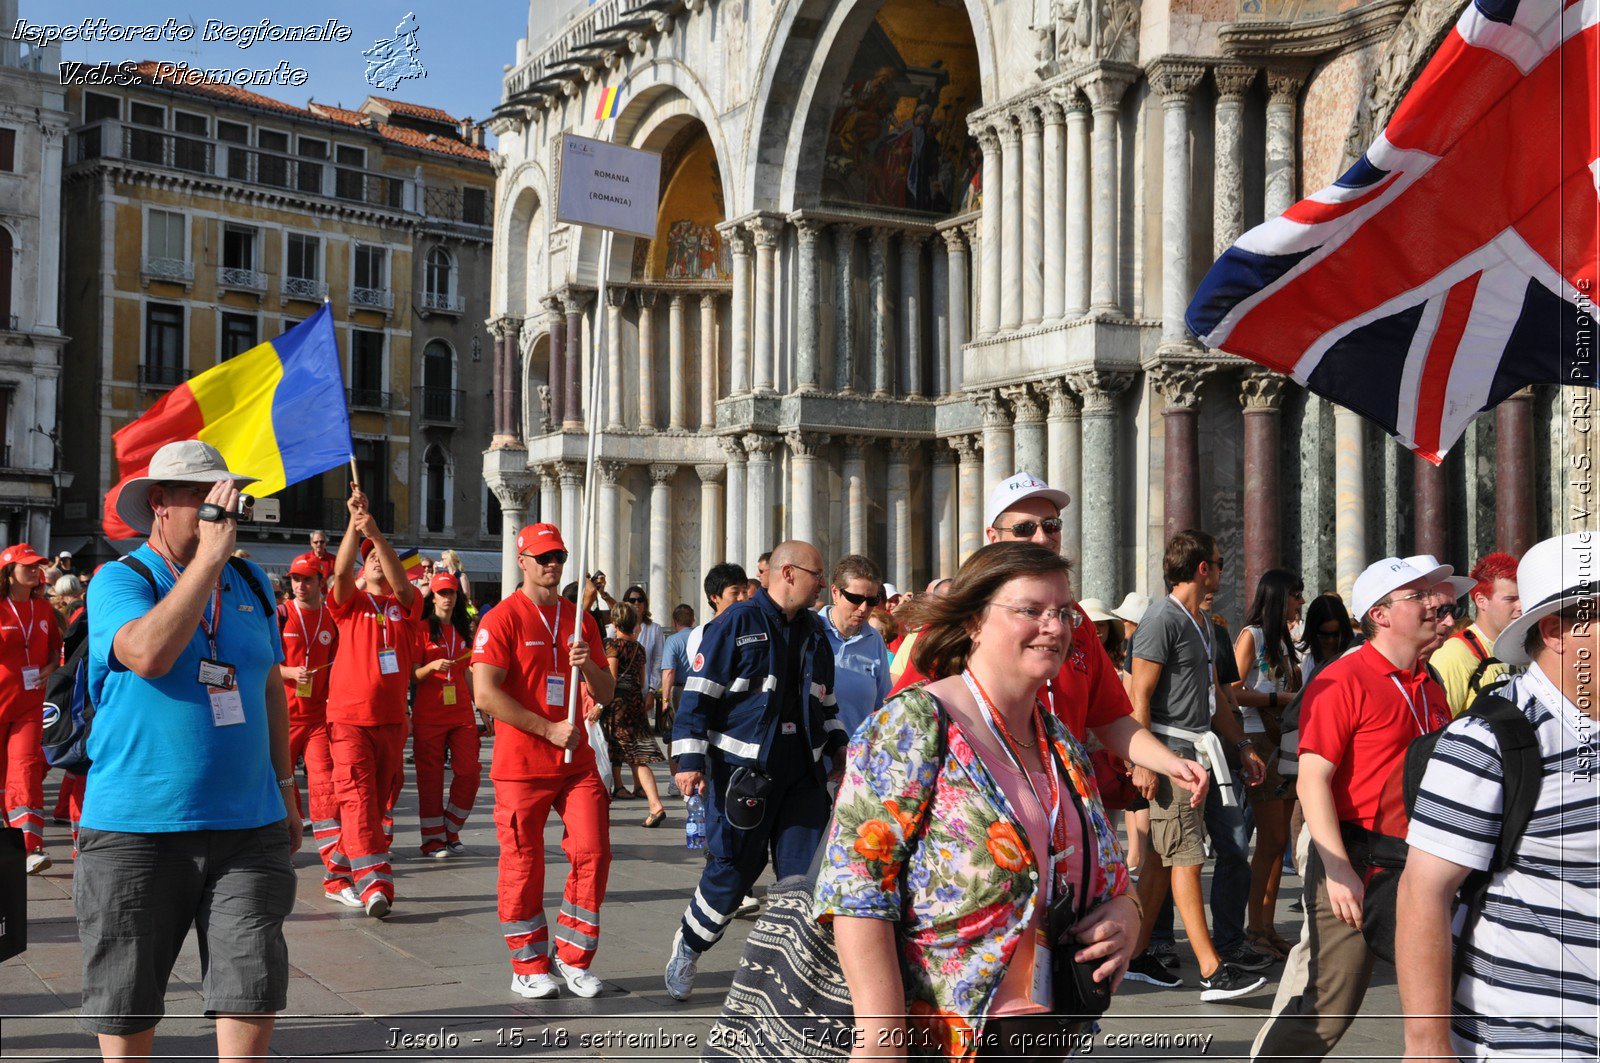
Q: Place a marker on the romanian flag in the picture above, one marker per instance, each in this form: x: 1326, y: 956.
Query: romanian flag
x: 276, y: 411
x: 411, y: 561
x: 609, y: 101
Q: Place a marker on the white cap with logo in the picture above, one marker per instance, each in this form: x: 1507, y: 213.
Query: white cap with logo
x: 1382, y: 577
x: 1017, y: 487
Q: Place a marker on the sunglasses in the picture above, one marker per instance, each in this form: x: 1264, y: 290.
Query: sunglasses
x: 635, y: 600
x: 859, y: 599
x: 1324, y: 633
x: 549, y: 557
x: 1450, y: 611
x: 1024, y: 529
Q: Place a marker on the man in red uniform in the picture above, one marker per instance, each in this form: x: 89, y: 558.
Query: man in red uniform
x: 310, y: 640
x: 320, y: 554
x: 522, y: 660
x: 30, y: 649
x: 367, y: 702
x: 441, y: 719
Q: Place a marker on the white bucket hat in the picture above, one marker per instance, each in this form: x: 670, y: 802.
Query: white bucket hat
x: 1459, y: 585
x: 186, y: 461
x: 1098, y: 613
x: 1553, y: 575
x: 1133, y: 607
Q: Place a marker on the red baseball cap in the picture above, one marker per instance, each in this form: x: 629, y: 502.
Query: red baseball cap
x: 539, y: 539
x: 444, y: 581
x: 20, y: 554
x: 366, y: 548
x: 305, y: 565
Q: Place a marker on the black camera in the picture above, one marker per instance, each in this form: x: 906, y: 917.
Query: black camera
x: 250, y: 510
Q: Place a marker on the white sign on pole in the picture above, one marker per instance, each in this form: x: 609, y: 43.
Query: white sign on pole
x: 608, y: 186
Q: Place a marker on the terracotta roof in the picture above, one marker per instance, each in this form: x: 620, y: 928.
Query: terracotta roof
x: 414, y: 110
x: 197, y: 85
x: 340, y: 114
x: 411, y: 138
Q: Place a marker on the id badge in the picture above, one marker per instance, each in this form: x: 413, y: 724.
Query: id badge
x: 790, y: 728
x: 388, y: 662
x: 216, y: 674
x: 1040, y: 989
x: 450, y: 694
x: 30, y: 679
x: 227, y: 707
x: 302, y: 689
x: 555, y: 691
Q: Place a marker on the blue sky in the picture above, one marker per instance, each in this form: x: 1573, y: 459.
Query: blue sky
x: 462, y: 45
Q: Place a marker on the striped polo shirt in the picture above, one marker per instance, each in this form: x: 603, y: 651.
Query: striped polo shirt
x: 1530, y: 987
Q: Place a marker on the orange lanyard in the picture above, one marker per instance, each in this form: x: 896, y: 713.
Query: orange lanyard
x: 216, y: 604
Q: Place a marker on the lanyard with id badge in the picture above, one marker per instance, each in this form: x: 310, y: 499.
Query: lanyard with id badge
x: 448, y: 695
x: 31, y: 674
x: 219, y: 678
x: 303, y: 688
x: 555, y: 681
x: 388, y: 656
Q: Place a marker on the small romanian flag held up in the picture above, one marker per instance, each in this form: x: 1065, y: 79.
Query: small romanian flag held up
x: 610, y: 100
x: 276, y: 411
x: 411, y: 561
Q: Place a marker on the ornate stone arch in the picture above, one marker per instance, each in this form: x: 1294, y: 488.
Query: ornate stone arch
x: 519, y: 210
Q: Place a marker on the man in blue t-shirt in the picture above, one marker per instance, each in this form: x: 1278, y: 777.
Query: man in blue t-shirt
x: 860, y: 659
x: 186, y: 819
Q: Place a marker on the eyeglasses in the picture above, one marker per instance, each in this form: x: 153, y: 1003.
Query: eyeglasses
x: 1064, y: 613
x: 549, y: 557
x: 1217, y: 563
x: 812, y: 572
x: 1419, y: 596
x: 1024, y: 529
x: 860, y: 599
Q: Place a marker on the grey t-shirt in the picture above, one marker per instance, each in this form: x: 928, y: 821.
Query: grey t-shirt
x: 1167, y: 636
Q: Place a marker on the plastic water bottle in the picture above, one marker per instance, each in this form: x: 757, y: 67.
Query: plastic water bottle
x: 694, y: 827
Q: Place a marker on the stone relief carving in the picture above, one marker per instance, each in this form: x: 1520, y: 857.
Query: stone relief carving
x: 547, y: 410
x: 1071, y: 32
x: 1410, y: 47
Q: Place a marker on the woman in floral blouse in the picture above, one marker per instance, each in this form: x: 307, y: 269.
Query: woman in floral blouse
x: 934, y: 873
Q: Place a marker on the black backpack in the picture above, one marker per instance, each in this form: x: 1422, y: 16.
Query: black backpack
x: 1522, y: 774
x: 68, y: 713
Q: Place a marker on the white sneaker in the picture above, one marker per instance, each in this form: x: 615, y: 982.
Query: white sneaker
x: 749, y: 906
x: 681, y: 968
x: 534, y: 986
x: 455, y: 848
x: 578, y: 980
x: 377, y: 906
x: 347, y: 897
x: 440, y: 853
x: 38, y: 861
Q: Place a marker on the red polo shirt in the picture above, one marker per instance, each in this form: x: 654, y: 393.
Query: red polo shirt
x: 1356, y: 715
x: 310, y: 639
x: 359, y: 692
x: 432, y: 704
x: 30, y: 637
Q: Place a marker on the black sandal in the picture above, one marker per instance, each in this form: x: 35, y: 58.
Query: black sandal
x: 655, y: 818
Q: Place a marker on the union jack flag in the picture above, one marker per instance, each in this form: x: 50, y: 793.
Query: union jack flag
x: 1456, y: 261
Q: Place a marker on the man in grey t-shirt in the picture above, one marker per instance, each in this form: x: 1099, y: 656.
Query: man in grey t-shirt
x: 1176, y: 693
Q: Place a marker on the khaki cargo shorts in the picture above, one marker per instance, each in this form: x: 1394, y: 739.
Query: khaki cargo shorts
x: 1177, y: 832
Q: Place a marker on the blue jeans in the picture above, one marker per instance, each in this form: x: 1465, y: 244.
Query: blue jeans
x: 1230, y: 878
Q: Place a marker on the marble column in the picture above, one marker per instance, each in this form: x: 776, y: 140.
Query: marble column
x: 1055, y: 208
x: 1078, y: 205
x: 571, y: 473
x: 1514, y: 474
x: 802, y: 492
x: 808, y: 356
x: 505, y: 331
x: 911, y: 313
x: 607, y: 520
x: 1064, y: 444
x: 759, y: 534
x: 1179, y: 385
x: 1282, y: 182
x: 844, y: 301
x: 739, y: 248
x: 661, y: 531
x: 969, y: 494
x: 572, y: 372
x: 880, y: 337
x: 855, y: 493
x: 946, y: 530
x: 1175, y: 82
x: 1105, y: 88
x: 766, y: 232
x: 555, y: 314
x: 1011, y: 223
x: 958, y: 301
x: 1102, y: 535
x: 1033, y: 217
x: 712, y: 513
x: 647, y: 358
x: 738, y: 499
x: 616, y: 299
x: 898, y: 570
x: 47, y: 319
x: 989, y: 244
x: 1261, y: 394
x: 677, y: 367
x: 708, y: 361
x: 999, y: 460
x: 549, y: 495
x: 939, y: 319
x: 1433, y: 514
x: 506, y: 472
x: 1350, y: 501
x: 1227, y: 200
x: 1028, y: 431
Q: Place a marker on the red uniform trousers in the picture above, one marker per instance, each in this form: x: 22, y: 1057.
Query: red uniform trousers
x: 22, y: 773
x: 366, y: 762
x: 521, y: 808
x: 69, y: 803
x: 442, y: 822
x: 308, y: 738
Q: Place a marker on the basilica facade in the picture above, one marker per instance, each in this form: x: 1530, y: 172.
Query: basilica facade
x: 905, y: 247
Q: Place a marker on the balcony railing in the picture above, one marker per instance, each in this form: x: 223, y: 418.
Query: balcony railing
x: 443, y: 303
x: 368, y: 398
x: 371, y: 298
x: 162, y: 376
x: 453, y: 204
x: 440, y: 405
x: 157, y: 148
x: 178, y: 270
x: 245, y: 280
x: 364, y: 187
x: 307, y: 288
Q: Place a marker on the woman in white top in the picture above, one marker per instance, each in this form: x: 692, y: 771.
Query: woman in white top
x: 1270, y: 667
x: 654, y: 641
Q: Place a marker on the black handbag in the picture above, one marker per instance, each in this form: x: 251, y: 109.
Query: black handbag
x: 1076, y: 996
x: 13, y: 893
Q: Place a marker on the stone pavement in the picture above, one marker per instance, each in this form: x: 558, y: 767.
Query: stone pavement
x: 436, y: 970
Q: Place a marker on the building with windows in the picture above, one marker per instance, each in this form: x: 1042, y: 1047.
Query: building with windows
x: 33, y: 124
x: 204, y: 219
x: 906, y: 247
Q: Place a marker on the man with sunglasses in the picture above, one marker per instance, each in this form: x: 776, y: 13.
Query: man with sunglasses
x: 522, y: 660
x: 756, y: 719
x: 1466, y: 663
x: 860, y: 659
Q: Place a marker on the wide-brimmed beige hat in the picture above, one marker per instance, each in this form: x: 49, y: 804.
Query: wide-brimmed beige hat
x: 1133, y: 607
x: 186, y: 461
x: 1097, y: 611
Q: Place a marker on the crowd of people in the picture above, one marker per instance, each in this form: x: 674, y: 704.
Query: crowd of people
x: 1004, y: 794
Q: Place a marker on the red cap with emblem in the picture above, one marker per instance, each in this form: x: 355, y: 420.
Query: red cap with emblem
x: 305, y: 565
x: 444, y: 581
x: 539, y: 539
x: 20, y: 554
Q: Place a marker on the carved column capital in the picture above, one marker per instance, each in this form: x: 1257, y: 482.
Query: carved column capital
x: 1051, y: 108
x: 955, y: 239
x: 808, y: 230
x: 760, y: 445
x: 662, y: 473
x: 1072, y: 101
x: 549, y: 475
x: 805, y: 444
x: 855, y: 447
x: 1099, y: 388
x: 1261, y: 389
x: 1029, y: 118
x: 708, y: 301
x: 1063, y: 401
x: 1283, y: 86
x: 504, y: 325
x: 1174, y: 79
x: 1179, y: 383
x: 610, y: 471
x: 967, y: 448
x: 996, y: 413
x: 570, y: 473
x: 1105, y: 86
x: 1025, y: 405
x: 1009, y: 132
x: 646, y: 298
x: 578, y: 300
x: 711, y: 473
x: 732, y: 447
x: 986, y: 135
x: 766, y: 232
x: 901, y: 450
x: 1234, y: 79
x: 552, y: 304
x: 616, y: 298
x: 738, y: 240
